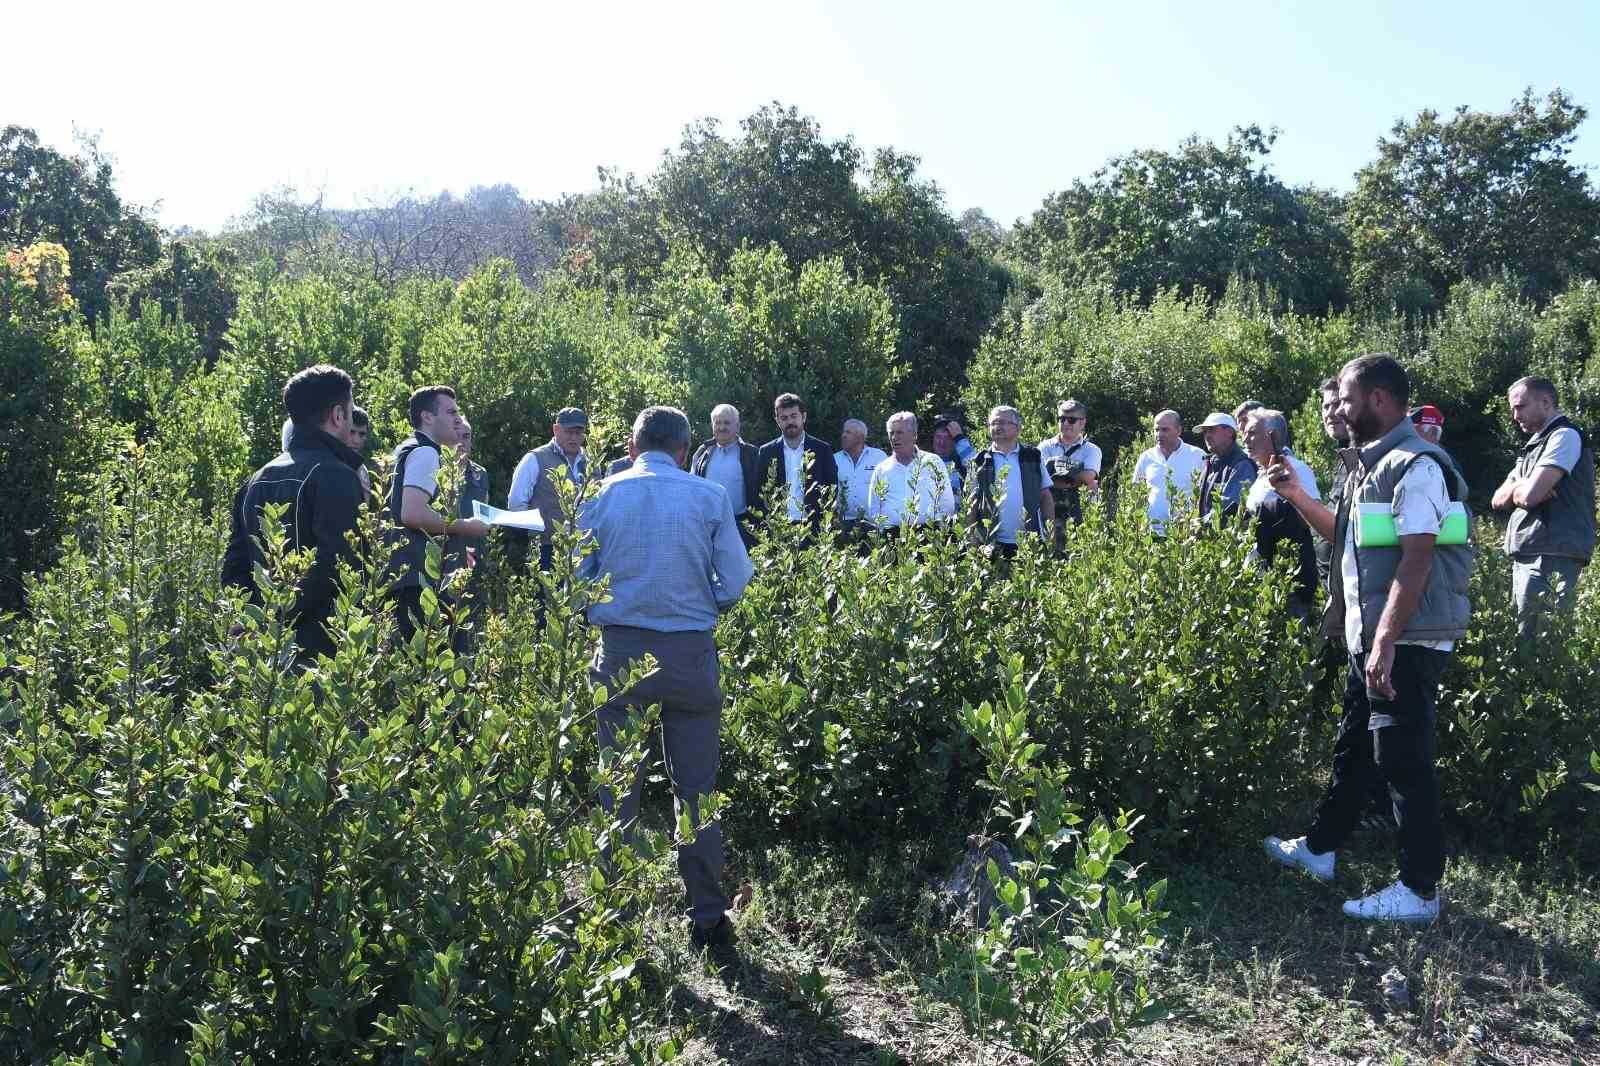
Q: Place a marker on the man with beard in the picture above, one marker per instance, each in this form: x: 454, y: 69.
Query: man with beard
x: 436, y: 424
x: 803, y: 463
x: 1402, y: 603
x: 315, y: 478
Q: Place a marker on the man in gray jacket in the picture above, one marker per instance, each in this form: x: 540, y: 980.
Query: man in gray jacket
x: 1402, y: 603
x: 1550, y: 494
x: 532, y: 483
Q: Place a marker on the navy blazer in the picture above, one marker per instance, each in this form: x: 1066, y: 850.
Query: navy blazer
x: 823, y: 472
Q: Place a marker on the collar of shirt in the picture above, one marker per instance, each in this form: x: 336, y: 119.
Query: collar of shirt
x: 652, y: 459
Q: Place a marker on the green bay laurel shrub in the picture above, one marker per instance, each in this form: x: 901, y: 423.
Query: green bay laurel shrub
x: 516, y: 357
x: 53, y: 429
x: 1566, y: 345
x: 391, y: 853
x: 765, y: 327
x: 1064, y: 960
x: 1166, y: 674
x: 1517, y: 724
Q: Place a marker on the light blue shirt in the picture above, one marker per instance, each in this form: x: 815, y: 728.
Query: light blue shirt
x: 723, y: 467
x: 669, y: 544
x: 965, y: 450
x: 1010, y: 518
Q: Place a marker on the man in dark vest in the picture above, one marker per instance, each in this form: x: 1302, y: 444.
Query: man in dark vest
x: 1550, y: 494
x: 1228, y: 470
x: 1401, y: 600
x: 1000, y: 510
x: 735, y: 464
x: 315, y: 476
x: 436, y: 423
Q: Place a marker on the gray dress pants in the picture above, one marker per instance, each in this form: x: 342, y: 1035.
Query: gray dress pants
x: 686, y: 686
x: 1542, y: 585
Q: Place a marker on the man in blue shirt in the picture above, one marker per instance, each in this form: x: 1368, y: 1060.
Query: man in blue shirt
x: 670, y: 545
x: 734, y: 463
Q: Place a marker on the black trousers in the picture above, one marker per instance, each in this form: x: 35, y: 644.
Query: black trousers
x: 1391, y: 740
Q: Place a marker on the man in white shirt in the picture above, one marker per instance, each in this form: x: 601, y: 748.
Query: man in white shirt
x: 803, y: 462
x: 911, y: 486
x: 1080, y: 457
x: 1171, y: 470
x: 856, y: 460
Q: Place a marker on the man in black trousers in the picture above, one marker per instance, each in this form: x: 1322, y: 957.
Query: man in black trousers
x: 1400, y: 598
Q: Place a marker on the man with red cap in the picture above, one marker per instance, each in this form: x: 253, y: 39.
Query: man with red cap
x: 1429, y: 421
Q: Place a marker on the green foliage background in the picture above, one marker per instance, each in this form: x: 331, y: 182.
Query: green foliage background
x: 206, y: 854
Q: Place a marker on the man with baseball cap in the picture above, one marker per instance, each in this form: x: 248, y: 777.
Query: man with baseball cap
x: 1429, y: 421
x: 532, y: 483
x: 1228, y: 471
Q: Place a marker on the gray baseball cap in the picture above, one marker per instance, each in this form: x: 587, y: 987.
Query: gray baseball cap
x: 572, y: 416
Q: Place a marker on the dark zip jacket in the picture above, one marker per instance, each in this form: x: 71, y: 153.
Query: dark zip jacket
x: 316, y: 478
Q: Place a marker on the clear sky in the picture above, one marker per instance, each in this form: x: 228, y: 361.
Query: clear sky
x: 203, y: 106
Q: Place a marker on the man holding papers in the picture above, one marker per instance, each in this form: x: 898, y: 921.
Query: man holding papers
x: 1401, y: 599
x: 435, y: 422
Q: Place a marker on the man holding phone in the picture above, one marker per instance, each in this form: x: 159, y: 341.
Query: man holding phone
x: 1402, y: 604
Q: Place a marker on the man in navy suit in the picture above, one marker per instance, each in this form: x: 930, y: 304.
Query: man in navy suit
x: 799, y: 461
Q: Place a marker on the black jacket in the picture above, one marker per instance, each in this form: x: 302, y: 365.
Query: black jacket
x: 316, y: 477
x: 749, y: 466
x: 1227, y: 478
x: 823, y: 474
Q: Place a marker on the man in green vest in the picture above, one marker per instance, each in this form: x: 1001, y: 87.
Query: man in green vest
x: 1550, y: 494
x: 1401, y: 600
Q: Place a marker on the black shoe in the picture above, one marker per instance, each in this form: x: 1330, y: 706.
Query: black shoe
x: 712, y: 936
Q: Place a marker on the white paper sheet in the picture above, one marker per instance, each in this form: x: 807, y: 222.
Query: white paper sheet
x: 495, y: 516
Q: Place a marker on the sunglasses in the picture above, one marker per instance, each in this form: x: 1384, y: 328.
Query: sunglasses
x: 1070, y: 418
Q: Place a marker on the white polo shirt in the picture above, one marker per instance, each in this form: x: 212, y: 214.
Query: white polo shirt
x: 1165, y: 475
x: 855, y: 476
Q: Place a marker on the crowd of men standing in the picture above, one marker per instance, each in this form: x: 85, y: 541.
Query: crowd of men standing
x: 671, y: 530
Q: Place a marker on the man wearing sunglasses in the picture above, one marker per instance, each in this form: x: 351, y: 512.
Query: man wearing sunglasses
x: 1079, y: 464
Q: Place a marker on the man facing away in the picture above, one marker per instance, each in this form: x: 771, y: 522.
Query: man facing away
x: 315, y: 476
x: 1171, y: 470
x: 910, y: 487
x: 1550, y: 494
x: 1077, y: 458
x: 669, y: 544
x: 436, y: 423
x: 855, y: 460
x: 1402, y: 607
x: 1228, y: 471
x: 533, y: 484
x: 735, y: 464
x: 1010, y: 493
x: 803, y: 464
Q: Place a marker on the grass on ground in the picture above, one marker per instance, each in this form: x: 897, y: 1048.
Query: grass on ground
x: 834, y: 964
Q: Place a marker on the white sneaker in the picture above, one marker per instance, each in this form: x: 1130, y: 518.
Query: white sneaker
x: 1397, y: 903
x: 1295, y: 853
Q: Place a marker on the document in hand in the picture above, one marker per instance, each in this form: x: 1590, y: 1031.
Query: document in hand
x: 529, y: 519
